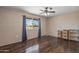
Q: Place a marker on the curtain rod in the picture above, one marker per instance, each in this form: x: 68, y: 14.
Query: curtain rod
x: 31, y: 18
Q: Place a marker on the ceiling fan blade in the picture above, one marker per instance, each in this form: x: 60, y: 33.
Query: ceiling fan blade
x: 51, y: 11
x: 46, y: 7
x: 51, y: 8
x: 41, y: 10
x: 41, y: 13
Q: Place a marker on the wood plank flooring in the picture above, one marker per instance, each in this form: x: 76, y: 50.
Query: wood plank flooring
x: 46, y: 44
x: 49, y: 44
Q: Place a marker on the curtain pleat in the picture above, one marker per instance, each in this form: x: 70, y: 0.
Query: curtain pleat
x: 39, y: 31
x: 24, y: 33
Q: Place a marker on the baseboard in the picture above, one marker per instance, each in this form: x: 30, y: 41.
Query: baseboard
x: 41, y: 36
x: 62, y: 38
x: 36, y: 37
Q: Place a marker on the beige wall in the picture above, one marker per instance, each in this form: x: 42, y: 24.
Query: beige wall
x: 66, y: 21
x: 11, y: 25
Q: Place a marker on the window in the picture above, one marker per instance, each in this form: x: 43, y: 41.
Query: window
x: 31, y: 24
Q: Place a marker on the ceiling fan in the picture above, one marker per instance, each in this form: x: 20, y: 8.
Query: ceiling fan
x: 47, y: 10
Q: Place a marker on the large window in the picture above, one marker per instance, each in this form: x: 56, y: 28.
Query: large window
x: 31, y: 24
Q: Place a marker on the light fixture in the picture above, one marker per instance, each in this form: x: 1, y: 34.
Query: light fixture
x: 47, y: 11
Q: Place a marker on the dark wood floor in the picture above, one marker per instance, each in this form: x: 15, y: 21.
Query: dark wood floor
x: 46, y: 44
x: 49, y: 44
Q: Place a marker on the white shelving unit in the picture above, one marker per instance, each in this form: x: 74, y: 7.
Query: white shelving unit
x: 65, y: 34
x: 59, y: 34
x: 69, y: 34
x: 74, y: 35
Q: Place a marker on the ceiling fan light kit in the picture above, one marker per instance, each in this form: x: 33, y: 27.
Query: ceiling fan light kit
x: 47, y: 11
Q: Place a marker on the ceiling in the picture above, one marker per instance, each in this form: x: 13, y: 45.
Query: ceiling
x: 59, y: 10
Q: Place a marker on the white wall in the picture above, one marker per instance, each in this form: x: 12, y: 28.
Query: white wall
x: 11, y: 25
x: 66, y: 21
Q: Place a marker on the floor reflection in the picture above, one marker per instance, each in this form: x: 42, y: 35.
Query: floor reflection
x: 33, y: 49
x: 52, y: 45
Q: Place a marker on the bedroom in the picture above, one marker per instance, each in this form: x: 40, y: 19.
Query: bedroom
x: 45, y: 28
